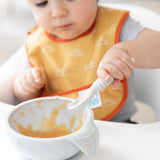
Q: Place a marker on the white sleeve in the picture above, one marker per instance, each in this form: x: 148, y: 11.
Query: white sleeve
x: 8, y: 71
x: 130, y: 29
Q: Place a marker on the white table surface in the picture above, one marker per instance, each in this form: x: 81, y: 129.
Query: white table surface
x: 118, y: 141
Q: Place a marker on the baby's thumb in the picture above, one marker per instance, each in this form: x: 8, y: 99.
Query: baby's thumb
x: 115, y: 84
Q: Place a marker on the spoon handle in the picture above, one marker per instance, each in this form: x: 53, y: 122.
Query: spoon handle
x: 98, y: 85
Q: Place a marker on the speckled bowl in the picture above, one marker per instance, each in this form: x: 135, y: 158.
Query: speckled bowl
x: 41, y: 115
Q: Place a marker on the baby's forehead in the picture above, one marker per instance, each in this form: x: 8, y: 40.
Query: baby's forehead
x: 33, y: 0
x: 36, y: 0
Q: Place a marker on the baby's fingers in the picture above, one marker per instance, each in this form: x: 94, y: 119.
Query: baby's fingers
x: 32, y: 80
x: 38, y: 76
x: 27, y: 83
x: 110, y: 69
x: 103, y: 74
x: 122, y: 67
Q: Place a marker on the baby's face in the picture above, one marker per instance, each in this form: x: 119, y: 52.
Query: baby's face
x: 65, y: 19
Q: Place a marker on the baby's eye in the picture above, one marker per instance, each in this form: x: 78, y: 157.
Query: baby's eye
x: 41, y: 4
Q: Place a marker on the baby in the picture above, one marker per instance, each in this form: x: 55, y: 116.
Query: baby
x: 76, y: 40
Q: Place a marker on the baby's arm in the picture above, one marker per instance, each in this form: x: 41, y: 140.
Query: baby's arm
x: 28, y: 84
x: 117, y: 62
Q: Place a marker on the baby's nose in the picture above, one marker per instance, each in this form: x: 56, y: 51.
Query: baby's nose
x: 59, y: 10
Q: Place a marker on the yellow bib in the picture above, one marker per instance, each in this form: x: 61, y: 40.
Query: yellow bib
x: 71, y: 66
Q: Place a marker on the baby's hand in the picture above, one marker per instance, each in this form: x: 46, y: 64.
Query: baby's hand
x: 29, y: 84
x: 116, y: 63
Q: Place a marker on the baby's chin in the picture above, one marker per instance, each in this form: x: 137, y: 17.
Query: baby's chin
x: 66, y: 35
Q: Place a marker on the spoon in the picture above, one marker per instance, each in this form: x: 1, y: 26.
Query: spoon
x: 98, y: 85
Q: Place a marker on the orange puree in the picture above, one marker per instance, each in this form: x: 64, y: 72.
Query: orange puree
x: 48, y: 127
